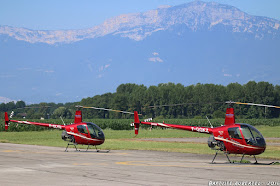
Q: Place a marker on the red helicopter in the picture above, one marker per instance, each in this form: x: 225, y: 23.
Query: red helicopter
x: 84, y: 133
x: 231, y: 138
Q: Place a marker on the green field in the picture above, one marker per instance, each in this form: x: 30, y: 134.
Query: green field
x: 124, y: 140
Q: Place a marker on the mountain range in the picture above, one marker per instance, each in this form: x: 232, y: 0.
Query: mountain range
x: 197, y: 42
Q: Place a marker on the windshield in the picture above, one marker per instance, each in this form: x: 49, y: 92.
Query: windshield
x: 252, y: 135
x: 95, y: 131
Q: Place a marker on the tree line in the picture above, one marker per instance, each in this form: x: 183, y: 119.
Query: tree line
x: 194, y: 101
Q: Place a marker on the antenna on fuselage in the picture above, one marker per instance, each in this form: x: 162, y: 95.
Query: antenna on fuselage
x: 209, y: 122
x: 62, y: 121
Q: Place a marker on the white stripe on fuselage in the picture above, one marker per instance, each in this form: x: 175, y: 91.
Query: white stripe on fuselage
x: 25, y: 122
x: 226, y: 140
x: 82, y: 136
x: 161, y: 124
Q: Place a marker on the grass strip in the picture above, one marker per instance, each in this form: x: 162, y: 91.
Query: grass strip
x: 123, y: 140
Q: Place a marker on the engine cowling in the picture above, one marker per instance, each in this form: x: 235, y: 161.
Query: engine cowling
x: 67, y: 137
x: 214, y: 144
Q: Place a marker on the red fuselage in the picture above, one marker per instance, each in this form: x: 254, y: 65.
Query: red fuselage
x: 86, y: 133
x: 240, y: 139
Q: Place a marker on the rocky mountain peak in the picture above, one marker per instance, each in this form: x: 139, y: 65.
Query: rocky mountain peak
x: 193, y: 16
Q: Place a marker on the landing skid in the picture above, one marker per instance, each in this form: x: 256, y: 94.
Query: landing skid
x: 234, y: 161
x: 97, y: 150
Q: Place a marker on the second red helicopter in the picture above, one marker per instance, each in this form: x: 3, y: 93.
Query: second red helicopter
x: 231, y: 137
x: 83, y: 133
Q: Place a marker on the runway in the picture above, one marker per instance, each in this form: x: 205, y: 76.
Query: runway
x: 39, y: 165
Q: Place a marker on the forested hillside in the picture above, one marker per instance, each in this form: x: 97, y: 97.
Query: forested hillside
x: 195, y: 101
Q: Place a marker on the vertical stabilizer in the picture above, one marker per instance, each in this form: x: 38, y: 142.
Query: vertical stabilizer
x: 136, y: 122
x: 78, y: 117
x: 230, y: 118
x: 6, y: 121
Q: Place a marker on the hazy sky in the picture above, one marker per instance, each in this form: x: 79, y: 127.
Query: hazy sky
x: 79, y: 14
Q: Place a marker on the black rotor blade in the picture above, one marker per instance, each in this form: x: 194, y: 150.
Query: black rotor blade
x: 253, y: 104
x: 179, y: 104
x: 113, y: 110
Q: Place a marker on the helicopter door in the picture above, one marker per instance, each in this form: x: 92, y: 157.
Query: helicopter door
x: 82, y: 131
x: 236, y: 139
x: 234, y: 133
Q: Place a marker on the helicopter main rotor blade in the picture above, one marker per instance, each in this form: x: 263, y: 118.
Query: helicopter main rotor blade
x: 171, y: 105
x: 34, y: 107
x: 179, y: 104
x: 97, y: 108
x: 253, y: 104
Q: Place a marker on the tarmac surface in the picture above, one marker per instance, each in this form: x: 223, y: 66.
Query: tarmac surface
x: 40, y: 165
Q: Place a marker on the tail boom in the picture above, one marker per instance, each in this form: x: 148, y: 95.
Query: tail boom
x: 206, y: 130
x: 49, y: 125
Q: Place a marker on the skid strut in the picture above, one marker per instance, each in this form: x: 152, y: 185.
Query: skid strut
x: 256, y: 160
x: 214, y: 156
x: 71, y: 144
x: 95, y: 148
x: 217, y: 154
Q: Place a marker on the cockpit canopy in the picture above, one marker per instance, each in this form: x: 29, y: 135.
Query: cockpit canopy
x: 92, y: 129
x: 252, y: 135
x: 95, y: 131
